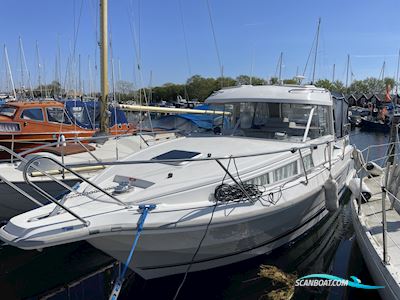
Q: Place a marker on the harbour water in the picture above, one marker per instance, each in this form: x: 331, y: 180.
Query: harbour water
x: 79, y: 271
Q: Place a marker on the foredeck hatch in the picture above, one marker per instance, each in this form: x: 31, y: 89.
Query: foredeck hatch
x: 176, y: 154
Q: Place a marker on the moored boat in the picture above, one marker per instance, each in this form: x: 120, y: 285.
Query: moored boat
x: 355, y: 115
x: 375, y: 214
x: 27, y: 124
x: 369, y: 124
x: 254, y: 184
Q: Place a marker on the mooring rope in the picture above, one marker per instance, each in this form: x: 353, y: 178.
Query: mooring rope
x: 118, y: 283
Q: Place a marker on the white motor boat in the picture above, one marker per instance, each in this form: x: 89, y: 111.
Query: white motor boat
x: 258, y: 182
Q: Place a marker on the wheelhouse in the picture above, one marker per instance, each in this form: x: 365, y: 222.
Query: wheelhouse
x: 293, y: 113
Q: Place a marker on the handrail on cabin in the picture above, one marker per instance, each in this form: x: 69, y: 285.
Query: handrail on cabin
x: 210, y: 158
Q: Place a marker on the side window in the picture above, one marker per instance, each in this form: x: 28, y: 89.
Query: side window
x: 260, y: 180
x: 35, y: 114
x: 308, y: 162
x: 286, y: 171
x: 57, y: 115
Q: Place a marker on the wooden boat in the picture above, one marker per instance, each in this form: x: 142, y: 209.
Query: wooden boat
x: 27, y: 124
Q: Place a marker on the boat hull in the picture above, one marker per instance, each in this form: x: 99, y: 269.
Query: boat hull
x: 13, y: 203
x: 374, y: 126
x: 164, y: 252
x: 380, y: 274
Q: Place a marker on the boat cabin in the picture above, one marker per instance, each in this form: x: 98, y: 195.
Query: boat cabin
x: 32, y: 116
x: 28, y: 124
x: 294, y: 113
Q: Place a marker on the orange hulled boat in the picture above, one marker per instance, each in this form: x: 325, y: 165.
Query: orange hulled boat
x: 28, y: 124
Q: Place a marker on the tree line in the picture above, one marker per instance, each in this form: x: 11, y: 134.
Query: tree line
x: 199, y: 88
x: 370, y: 85
x: 195, y: 88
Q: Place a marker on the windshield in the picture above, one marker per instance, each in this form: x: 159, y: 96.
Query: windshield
x: 8, y: 111
x: 276, y: 120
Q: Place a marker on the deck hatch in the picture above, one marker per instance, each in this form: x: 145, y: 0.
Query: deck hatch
x: 176, y: 154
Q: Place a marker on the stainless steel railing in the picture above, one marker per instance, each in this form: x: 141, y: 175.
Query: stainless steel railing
x: 31, y: 164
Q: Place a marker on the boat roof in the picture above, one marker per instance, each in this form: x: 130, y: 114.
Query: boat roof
x: 293, y: 94
x: 29, y: 104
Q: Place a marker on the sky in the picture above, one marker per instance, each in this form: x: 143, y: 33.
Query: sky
x: 249, y: 35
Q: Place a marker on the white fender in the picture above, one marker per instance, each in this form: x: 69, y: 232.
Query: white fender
x: 331, y: 195
x: 354, y: 187
x: 62, y: 139
x: 373, y: 169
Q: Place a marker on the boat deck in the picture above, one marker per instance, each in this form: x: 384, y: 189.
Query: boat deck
x: 372, y: 217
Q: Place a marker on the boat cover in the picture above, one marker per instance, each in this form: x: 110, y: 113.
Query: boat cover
x: 84, y: 112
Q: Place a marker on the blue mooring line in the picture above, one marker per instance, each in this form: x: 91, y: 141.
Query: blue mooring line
x: 118, y: 283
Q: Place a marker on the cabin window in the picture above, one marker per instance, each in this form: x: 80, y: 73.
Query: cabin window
x: 8, y: 111
x: 34, y: 114
x: 286, y: 171
x: 263, y: 179
x: 57, y: 115
x: 277, y: 120
x: 308, y: 162
x: 79, y: 113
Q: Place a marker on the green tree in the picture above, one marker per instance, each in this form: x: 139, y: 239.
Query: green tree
x: 226, y: 81
x: 338, y: 86
x: 290, y: 81
x: 53, y: 89
x: 370, y: 85
x: 324, y: 83
x: 274, y: 80
x: 245, y: 79
x: 257, y: 81
x: 389, y: 82
x: 168, y: 92
x: 200, y: 88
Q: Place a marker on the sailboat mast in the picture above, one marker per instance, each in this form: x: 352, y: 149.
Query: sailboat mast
x: 39, y: 69
x: 23, y: 61
x: 280, y: 68
x: 397, y: 74
x: 9, y: 71
x: 316, y: 50
x: 347, y: 70
x: 104, y: 66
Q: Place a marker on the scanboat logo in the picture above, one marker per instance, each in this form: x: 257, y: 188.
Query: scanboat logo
x: 331, y: 280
